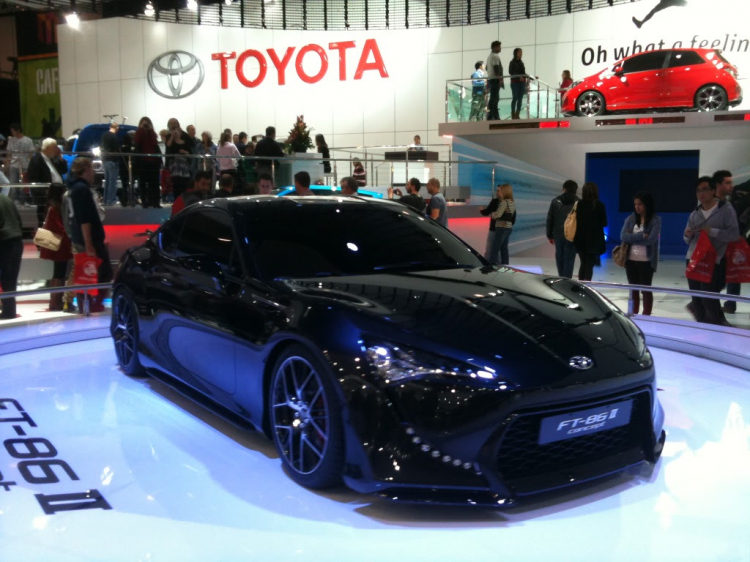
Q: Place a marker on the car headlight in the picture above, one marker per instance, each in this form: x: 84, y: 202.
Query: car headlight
x: 395, y: 363
x: 96, y: 151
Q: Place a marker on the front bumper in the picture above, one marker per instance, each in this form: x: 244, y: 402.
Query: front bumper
x: 499, y: 461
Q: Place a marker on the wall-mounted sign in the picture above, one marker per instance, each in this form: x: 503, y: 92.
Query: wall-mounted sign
x: 175, y: 74
x: 369, y: 59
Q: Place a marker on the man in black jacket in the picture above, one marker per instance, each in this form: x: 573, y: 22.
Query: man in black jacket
x: 268, y: 146
x: 559, y: 209
x: 45, y: 167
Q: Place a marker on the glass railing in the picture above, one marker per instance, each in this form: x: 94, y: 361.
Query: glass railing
x: 466, y: 100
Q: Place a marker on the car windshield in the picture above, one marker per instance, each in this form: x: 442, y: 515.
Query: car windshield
x: 349, y: 237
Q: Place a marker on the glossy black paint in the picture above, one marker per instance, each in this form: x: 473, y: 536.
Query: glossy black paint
x: 218, y: 330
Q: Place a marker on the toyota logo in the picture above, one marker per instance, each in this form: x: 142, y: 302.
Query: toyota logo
x: 174, y: 72
x: 580, y: 362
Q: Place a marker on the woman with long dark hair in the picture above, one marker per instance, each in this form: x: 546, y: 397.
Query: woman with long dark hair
x: 147, y: 167
x: 320, y: 142
x: 641, y: 231
x: 62, y: 256
x: 591, y: 218
x: 517, y: 83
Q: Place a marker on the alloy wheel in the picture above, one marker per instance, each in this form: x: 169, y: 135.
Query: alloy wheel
x: 711, y: 98
x: 124, y: 330
x: 590, y: 104
x: 300, y: 415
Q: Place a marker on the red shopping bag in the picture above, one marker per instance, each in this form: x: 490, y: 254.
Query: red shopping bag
x: 702, y: 262
x: 738, y: 262
x: 86, y: 271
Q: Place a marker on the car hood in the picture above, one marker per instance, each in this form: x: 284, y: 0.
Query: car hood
x: 487, y: 317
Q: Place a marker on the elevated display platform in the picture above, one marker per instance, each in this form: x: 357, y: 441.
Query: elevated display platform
x: 560, y: 145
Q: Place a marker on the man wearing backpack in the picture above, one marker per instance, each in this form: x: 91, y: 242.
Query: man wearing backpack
x: 559, y: 209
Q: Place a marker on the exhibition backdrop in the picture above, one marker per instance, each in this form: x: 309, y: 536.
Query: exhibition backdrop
x: 38, y: 75
x: 357, y: 88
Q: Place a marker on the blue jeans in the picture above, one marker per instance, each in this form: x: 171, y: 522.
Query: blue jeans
x: 499, y: 251
x: 518, y: 89
x: 565, y: 257
x: 111, y: 172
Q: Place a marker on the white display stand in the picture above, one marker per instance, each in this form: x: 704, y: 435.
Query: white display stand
x: 309, y: 162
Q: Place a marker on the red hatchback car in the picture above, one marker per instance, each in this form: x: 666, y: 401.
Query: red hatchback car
x: 676, y: 78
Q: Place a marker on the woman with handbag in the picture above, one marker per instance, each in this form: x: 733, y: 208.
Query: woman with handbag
x: 487, y: 211
x: 505, y: 217
x: 641, y: 233
x: 54, y: 244
x: 718, y: 220
x: 591, y: 218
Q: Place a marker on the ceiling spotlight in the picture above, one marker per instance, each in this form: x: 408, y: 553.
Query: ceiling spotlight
x: 228, y: 2
x: 192, y: 5
x: 72, y: 19
x: 149, y: 11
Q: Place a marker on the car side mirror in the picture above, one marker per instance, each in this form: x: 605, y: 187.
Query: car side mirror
x: 142, y: 254
x: 618, y: 71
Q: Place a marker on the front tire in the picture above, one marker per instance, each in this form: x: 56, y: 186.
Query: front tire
x: 305, y: 419
x: 590, y: 104
x: 124, y: 329
x: 711, y: 98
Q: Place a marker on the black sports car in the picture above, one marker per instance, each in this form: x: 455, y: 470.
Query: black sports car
x: 375, y: 347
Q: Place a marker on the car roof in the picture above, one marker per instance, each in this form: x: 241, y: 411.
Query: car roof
x: 250, y: 201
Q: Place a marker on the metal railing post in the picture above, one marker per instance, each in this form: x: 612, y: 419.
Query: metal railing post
x: 335, y: 173
x: 406, y: 162
x: 492, y: 187
x: 131, y: 185
x: 450, y: 163
x: 391, y: 174
x: 447, y: 112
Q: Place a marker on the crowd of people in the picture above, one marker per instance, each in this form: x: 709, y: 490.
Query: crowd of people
x: 722, y: 215
x: 488, y: 79
x: 75, y: 214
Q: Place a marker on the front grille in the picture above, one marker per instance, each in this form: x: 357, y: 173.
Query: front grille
x: 520, y: 455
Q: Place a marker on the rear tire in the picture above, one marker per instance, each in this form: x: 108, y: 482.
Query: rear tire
x: 305, y: 418
x: 711, y: 98
x: 590, y: 104
x: 125, y: 333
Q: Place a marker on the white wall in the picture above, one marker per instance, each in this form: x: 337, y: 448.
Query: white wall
x: 103, y: 68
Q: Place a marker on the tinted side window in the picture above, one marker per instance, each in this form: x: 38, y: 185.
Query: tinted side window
x: 646, y: 61
x: 167, y: 236
x: 208, y: 233
x: 685, y: 58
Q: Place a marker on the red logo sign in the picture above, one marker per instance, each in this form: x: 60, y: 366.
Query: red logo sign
x: 369, y: 59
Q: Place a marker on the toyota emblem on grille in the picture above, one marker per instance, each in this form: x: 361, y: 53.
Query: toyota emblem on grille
x: 173, y: 72
x: 580, y: 362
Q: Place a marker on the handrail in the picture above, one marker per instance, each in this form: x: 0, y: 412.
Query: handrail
x: 65, y: 289
x: 666, y: 290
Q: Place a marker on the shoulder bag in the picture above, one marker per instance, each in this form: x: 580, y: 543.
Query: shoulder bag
x: 47, y: 239
x: 620, y: 254
x: 571, y: 223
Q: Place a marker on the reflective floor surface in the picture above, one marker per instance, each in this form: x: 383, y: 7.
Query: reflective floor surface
x: 155, y: 477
